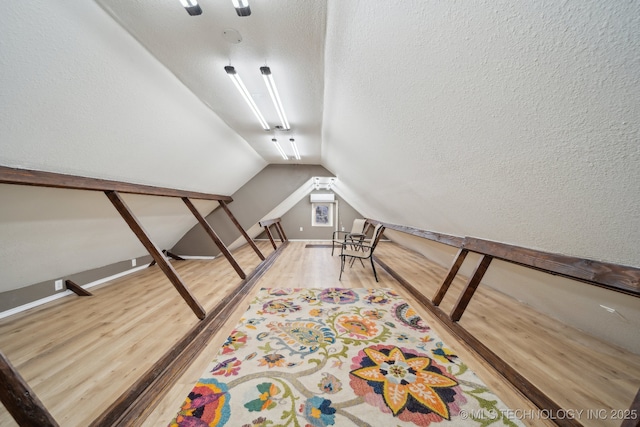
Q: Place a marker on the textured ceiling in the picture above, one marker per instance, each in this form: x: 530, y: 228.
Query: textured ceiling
x: 514, y: 121
x: 511, y: 121
x: 286, y: 36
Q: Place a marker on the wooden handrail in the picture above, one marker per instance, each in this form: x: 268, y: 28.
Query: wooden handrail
x: 21, y: 402
x: 447, y: 239
x: 616, y: 277
x: 56, y: 180
x: 268, y: 222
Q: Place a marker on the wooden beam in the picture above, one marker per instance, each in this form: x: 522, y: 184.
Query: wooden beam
x: 472, y: 285
x: 429, y: 235
x: 611, y: 276
x: 267, y: 222
x: 527, y: 388
x: 77, y: 289
x: 239, y: 227
x: 632, y: 417
x: 21, y: 402
x: 155, y: 253
x: 273, y: 243
x: 280, y: 228
x: 172, y: 255
x: 145, y: 394
x: 56, y: 180
x: 214, y: 237
x: 453, y: 271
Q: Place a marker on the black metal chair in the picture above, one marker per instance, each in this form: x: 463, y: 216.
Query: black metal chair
x: 360, y: 250
x: 340, y: 237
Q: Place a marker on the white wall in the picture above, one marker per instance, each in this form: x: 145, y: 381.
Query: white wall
x: 511, y: 121
x: 81, y: 96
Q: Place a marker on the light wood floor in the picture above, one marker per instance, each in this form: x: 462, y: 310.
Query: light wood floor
x: 80, y: 354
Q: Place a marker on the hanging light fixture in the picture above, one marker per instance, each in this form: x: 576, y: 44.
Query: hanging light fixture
x: 275, y: 97
x: 235, y: 78
x: 294, y: 147
x: 242, y: 7
x: 192, y: 6
x: 280, y: 150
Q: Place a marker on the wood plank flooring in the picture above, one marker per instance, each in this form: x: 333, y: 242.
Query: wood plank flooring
x: 80, y: 354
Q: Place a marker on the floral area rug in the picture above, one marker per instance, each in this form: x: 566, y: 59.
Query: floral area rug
x: 343, y: 357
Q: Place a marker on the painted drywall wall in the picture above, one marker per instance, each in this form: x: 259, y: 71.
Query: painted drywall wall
x: 571, y: 302
x: 81, y: 96
x: 50, y: 233
x: 250, y: 203
x: 510, y: 121
x: 300, y: 216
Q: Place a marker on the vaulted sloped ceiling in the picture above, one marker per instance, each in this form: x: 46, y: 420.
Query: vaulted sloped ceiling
x: 511, y: 121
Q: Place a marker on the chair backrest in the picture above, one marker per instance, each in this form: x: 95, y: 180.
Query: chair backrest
x: 377, y: 233
x: 358, y: 226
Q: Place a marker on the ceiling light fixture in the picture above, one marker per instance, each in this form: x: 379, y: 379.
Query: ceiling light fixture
x: 273, y: 91
x: 280, y: 150
x: 192, y: 6
x: 235, y: 78
x: 242, y: 7
x: 294, y: 147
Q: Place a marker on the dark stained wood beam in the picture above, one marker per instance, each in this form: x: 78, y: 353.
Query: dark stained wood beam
x: 203, y: 222
x: 268, y: 231
x: 145, y: 394
x: 233, y: 219
x: 632, y: 417
x: 172, y: 255
x: 429, y: 235
x: 278, y: 230
x: 57, y: 180
x: 77, y: 289
x: 528, y: 389
x: 453, y: 271
x: 155, y: 253
x: 283, y: 237
x: 472, y: 285
x: 268, y: 222
x: 21, y: 402
x: 616, y: 277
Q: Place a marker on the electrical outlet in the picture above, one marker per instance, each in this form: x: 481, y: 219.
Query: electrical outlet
x: 133, y: 262
x: 58, y: 284
x: 301, y: 229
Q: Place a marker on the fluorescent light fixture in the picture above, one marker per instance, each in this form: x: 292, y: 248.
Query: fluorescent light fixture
x: 273, y: 91
x: 192, y: 6
x: 235, y: 78
x: 242, y: 7
x: 294, y: 147
x: 280, y: 150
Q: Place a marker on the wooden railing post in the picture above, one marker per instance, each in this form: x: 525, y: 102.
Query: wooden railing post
x: 214, y: 237
x: 453, y: 271
x: 155, y: 253
x: 249, y: 240
x: 21, y: 402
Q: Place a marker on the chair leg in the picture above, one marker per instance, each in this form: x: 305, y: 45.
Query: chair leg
x: 374, y: 269
x: 341, y: 266
x: 333, y: 245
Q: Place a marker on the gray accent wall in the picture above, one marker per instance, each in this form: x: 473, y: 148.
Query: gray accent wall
x: 250, y: 203
x: 300, y: 217
x: 21, y: 296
